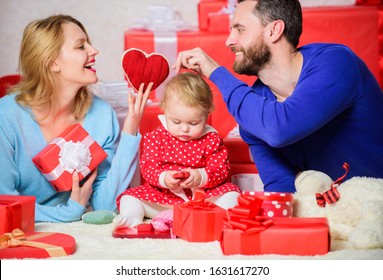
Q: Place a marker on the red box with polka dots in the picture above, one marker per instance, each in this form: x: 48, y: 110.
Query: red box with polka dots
x: 274, y: 204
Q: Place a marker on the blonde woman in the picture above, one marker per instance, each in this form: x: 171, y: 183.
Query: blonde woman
x: 57, y: 63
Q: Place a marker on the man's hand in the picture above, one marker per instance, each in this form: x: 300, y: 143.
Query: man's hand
x: 197, y: 60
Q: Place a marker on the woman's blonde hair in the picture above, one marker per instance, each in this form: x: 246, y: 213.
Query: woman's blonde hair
x: 191, y: 89
x: 40, y: 46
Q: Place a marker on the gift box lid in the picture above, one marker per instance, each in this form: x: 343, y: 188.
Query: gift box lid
x: 142, y: 231
x: 20, y: 245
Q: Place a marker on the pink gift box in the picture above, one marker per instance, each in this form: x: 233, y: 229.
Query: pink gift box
x: 73, y: 150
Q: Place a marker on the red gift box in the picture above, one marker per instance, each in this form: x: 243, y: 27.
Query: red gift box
x: 17, y: 211
x: 18, y: 245
x: 286, y: 236
x: 247, y: 232
x: 205, y: 8
x: 198, y: 220
x: 142, y: 231
x: 74, y: 149
x: 274, y: 204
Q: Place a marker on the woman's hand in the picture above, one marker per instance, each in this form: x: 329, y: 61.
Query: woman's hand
x: 136, y: 107
x: 82, y: 194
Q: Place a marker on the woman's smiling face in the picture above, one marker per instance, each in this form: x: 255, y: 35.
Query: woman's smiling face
x: 75, y: 62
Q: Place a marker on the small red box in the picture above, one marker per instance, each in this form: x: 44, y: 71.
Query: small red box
x: 74, y: 149
x: 37, y: 245
x: 17, y: 211
x: 219, y: 23
x: 274, y: 204
x: 198, y: 221
x: 286, y: 236
x: 207, y: 7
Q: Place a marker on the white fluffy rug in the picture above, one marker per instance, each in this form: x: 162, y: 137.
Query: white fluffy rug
x: 95, y: 242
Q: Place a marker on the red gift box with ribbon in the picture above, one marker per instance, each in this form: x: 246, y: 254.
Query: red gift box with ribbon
x: 274, y: 204
x: 17, y: 211
x: 246, y: 232
x: 19, y: 245
x: 72, y: 150
x: 198, y: 220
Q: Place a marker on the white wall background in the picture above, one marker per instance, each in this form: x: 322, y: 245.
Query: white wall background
x: 105, y: 20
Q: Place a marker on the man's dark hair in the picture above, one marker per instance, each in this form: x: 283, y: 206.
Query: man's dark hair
x: 289, y: 11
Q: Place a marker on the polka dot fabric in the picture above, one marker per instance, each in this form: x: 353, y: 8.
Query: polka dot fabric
x: 162, y: 152
x: 163, y: 221
x: 275, y: 204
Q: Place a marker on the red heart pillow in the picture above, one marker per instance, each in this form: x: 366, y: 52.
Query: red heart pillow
x: 140, y: 67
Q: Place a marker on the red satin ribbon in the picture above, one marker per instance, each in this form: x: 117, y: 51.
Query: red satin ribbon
x: 17, y: 238
x: 245, y: 216
x: 199, y: 202
x: 332, y: 195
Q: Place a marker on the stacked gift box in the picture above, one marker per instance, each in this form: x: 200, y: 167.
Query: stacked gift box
x: 261, y: 223
x: 248, y: 230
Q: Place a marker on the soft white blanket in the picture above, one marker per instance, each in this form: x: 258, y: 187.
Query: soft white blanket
x: 95, y: 242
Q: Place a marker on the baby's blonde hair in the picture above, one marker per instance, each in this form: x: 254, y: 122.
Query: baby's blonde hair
x: 40, y: 46
x: 191, y: 89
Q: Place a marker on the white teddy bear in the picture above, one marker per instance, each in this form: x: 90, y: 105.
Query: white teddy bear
x: 357, y: 217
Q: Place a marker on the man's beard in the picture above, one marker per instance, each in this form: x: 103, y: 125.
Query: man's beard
x: 254, y: 59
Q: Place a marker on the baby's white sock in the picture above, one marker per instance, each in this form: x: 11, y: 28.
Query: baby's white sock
x: 131, y: 212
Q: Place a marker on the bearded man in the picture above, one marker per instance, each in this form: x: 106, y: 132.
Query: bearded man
x: 312, y: 108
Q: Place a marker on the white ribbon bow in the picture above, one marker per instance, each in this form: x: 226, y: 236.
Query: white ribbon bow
x: 75, y: 156
x: 72, y: 156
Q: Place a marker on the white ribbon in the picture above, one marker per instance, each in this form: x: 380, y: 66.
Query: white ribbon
x: 227, y: 10
x: 165, y: 43
x: 73, y: 156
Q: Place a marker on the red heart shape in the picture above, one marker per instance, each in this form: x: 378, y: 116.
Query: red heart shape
x: 140, y: 67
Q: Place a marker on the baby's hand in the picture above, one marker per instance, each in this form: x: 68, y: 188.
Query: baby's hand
x: 171, y: 179
x: 181, y: 175
x: 193, y: 180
